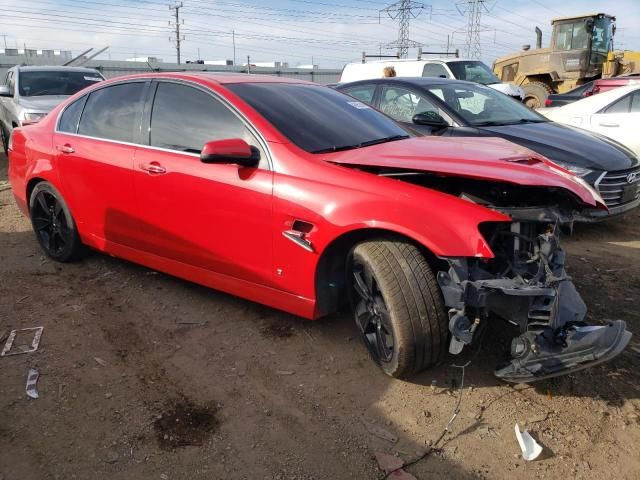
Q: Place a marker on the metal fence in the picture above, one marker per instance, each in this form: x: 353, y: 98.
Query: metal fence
x: 114, y: 68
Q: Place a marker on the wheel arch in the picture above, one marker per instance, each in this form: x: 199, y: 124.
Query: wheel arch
x: 330, y: 276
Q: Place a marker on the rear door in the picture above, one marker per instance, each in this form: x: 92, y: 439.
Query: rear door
x: 620, y: 121
x: 213, y: 216
x: 96, y: 138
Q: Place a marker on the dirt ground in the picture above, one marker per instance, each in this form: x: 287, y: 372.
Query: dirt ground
x: 144, y: 376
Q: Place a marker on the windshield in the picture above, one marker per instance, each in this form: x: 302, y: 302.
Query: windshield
x: 483, y: 106
x: 52, y: 82
x: 316, y: 118
x: 601, y: 35
x: 473, y: 71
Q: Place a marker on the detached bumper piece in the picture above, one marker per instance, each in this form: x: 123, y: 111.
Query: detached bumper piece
x: 527, y: 285
x: 546, y: 355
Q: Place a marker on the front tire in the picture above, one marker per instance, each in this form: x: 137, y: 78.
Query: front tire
x: 397, y: 306
x: 53, y: 224
x: 535, y: 94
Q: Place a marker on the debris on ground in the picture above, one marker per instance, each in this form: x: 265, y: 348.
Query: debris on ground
x: 392, y: 466
x: 35, y: 342
x: 379, y: 432
x: 100, y: 361
x: 530, y: 448
x: 32, y: 380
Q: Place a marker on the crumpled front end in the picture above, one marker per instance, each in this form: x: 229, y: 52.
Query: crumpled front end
x: 527, y: 285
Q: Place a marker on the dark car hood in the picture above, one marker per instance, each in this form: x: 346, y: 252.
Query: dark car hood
x: 567, y: 144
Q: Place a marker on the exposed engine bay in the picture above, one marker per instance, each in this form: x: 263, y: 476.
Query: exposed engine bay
x: 526, y: 284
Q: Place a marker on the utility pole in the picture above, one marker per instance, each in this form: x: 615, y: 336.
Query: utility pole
x: 5, y: 41
x: 178, y: 39
x: 472, y: 9
x: 404, y: 11
x: 248, y: 64
x: 233, y: 37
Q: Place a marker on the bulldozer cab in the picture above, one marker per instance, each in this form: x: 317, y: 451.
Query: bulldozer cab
x: 578, y: 48
x: 581, y: 45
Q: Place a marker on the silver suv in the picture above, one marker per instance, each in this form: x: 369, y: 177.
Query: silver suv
x: 29, y: 93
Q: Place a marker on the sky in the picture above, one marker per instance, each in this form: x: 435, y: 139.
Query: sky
x: 328, y: 33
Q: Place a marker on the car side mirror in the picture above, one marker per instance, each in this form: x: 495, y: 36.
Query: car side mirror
x: 431, y: 119
x: 233, y: 150
x: 4, y: 91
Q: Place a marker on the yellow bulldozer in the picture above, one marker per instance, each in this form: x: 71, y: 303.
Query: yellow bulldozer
x: 581, y: 50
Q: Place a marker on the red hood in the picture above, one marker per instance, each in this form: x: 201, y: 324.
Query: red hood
x: 476, y: 157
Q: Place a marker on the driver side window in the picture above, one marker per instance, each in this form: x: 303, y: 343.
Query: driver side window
x: 184, y: 118
x: 402, y: 104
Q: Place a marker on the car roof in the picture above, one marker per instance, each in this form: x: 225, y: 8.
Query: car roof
x: 52, y: 68
x: 597, y: 102
x: 423, y: 82
x: 215, y: 77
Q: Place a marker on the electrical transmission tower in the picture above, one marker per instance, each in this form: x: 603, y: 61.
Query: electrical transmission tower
x: 404, y: 11
x: 472, y: 9
x: 176, y: 24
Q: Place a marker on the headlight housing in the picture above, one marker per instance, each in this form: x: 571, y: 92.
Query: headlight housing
x: 29, y: 118
x: 575, y: 169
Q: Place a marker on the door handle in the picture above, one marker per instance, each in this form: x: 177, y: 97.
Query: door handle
x: 153, y: 167
x: 66, y: 148
x: 609, y: 124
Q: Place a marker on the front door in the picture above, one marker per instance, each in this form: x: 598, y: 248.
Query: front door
x: 213, y: 216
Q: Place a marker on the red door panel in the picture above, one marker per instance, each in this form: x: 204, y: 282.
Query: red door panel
x: 97, y: 176
x: 216, y: 217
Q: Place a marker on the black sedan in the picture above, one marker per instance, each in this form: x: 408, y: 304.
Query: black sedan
x: 437, y: 106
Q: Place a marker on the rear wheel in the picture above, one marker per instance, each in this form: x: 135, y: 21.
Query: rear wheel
x: 5, y: 140
x: 536, y: 93
x: 397, y: 306
x: 53, y: 224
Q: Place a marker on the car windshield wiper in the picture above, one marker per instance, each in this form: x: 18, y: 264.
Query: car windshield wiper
x: 363, y: 144
x: 493, y: 123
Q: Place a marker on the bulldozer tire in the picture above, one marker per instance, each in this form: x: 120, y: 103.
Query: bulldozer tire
x: 535, y: 94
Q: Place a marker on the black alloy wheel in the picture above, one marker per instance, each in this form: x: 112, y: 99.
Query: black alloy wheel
x: 372, y: 314
x: 52, y: 223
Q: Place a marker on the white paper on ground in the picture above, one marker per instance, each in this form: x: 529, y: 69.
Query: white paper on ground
x: 530, y: 448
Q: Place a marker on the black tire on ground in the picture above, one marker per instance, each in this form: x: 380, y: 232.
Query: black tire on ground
x: 5, y: 140
x: 536, y: 93
x: 405, y: 306
x: 53, y: 224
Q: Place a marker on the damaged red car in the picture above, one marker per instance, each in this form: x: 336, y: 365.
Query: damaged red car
x: 299, y: 197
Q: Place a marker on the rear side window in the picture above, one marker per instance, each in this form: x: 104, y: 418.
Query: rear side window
x: 635, y: 102
x: 114, y: 113
x: 185, y: 118
x: 621, y: 106
x: 435, y: 70
x: 71, y: 116
x: 363, y: 93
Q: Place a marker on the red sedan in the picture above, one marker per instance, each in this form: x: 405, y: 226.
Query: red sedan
x: 299, y: 197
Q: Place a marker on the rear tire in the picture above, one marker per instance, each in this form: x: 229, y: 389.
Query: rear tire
x: 53, y: 224
x: 397, y: 306
x: 5, y: 140
x: 536, y: 93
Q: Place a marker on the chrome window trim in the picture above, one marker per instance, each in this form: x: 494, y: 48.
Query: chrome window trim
x: 254, y: 131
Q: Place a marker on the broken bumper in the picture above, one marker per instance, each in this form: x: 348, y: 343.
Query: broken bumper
x: 548, y: 354
x: 553, y: 339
